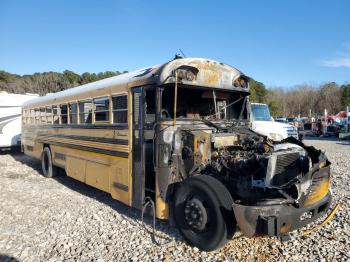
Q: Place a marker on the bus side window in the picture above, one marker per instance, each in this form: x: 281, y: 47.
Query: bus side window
x: 24, y: 116
x: 101, y: 106
x: 28, y: 116
x: 49, y: 115
x: 43, y: 115
x: 32, y: 116
x: 64, y: 114
x: 120, y: 109
x: 37, y: 115
x: 73, y: 113
x: 56, y: 117
x: 85, y: 112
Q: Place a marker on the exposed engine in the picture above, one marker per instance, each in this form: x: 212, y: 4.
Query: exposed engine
x: 244, y: 158
x: 252, y: 167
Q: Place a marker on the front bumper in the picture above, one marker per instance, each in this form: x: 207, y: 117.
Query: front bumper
x: 276, y: 220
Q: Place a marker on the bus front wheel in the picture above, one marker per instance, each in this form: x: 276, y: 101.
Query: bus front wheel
x: 197, y: 212
x: 48, y: 169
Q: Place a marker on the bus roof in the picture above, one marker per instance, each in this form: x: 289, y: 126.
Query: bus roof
x: 208, y: 73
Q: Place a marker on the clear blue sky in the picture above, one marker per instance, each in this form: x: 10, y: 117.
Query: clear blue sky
x: 281, y: 43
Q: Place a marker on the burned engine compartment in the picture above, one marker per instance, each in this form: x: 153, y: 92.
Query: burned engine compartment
x: 255, y: 170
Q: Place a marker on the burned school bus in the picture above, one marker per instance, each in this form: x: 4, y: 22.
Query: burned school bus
x: 179, y: 134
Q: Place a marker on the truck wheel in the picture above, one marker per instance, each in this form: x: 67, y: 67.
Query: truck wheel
x: 197, y: 212
x: 48, y: 169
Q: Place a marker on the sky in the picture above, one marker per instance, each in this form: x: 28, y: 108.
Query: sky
x: 279, y: 43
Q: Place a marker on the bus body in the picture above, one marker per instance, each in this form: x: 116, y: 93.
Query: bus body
x: 179, y: 134
x: 10, y: 118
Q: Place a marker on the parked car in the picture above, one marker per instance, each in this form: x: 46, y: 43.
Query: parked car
x: 281, y: 119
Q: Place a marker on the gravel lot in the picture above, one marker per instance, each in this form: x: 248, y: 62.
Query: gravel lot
x: 63, y: 219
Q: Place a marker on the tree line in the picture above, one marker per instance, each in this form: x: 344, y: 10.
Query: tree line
x: 48, y: 82
x: 302, y: 99
x: 282, y: 101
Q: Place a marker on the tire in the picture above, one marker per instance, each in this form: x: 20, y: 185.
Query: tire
x: 198, y: 212
x: 48, y: 169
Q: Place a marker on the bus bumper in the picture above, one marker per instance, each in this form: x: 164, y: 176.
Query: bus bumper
x: 276, y: 220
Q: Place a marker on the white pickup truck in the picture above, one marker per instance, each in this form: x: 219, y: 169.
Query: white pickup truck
x: 262, y: 123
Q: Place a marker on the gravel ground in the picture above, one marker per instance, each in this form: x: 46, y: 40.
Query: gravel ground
x: 63, y: 219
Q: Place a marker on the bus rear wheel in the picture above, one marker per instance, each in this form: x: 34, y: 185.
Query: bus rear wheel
x: 197, y: 212
x: 48, y: 169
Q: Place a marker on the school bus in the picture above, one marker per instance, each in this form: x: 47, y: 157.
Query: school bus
x: 179, y: 134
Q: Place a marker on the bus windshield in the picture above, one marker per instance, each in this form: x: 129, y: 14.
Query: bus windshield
x: 260, y: 112
x: 203, y: 103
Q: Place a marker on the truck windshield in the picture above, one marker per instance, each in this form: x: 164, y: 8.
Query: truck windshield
x: 202, y: 103
x: 260, y: 112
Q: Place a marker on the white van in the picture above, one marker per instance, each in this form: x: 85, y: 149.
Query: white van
x: 10, y: 118
x: 262, y: 123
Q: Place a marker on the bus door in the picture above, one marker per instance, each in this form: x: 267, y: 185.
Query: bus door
x: 144, y: 117
x: 138, y: 149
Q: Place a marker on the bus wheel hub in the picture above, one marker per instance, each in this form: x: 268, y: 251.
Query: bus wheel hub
x: 195, y: 214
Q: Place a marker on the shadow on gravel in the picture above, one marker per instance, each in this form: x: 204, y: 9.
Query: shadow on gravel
x: 319, y: 138
x: 121, y: 208
x: 102, y: 197
x: 11, y: 151
x: 335, y: 139
x: 344, y: 142
x: 27, y: 160
x: 6, y: 258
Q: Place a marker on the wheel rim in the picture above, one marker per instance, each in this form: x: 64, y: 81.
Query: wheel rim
x: 196, y: 215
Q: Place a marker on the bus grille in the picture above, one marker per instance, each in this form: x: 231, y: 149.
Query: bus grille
x: 286, y: 168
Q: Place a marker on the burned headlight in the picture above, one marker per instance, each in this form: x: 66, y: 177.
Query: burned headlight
x: 240, y: 81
